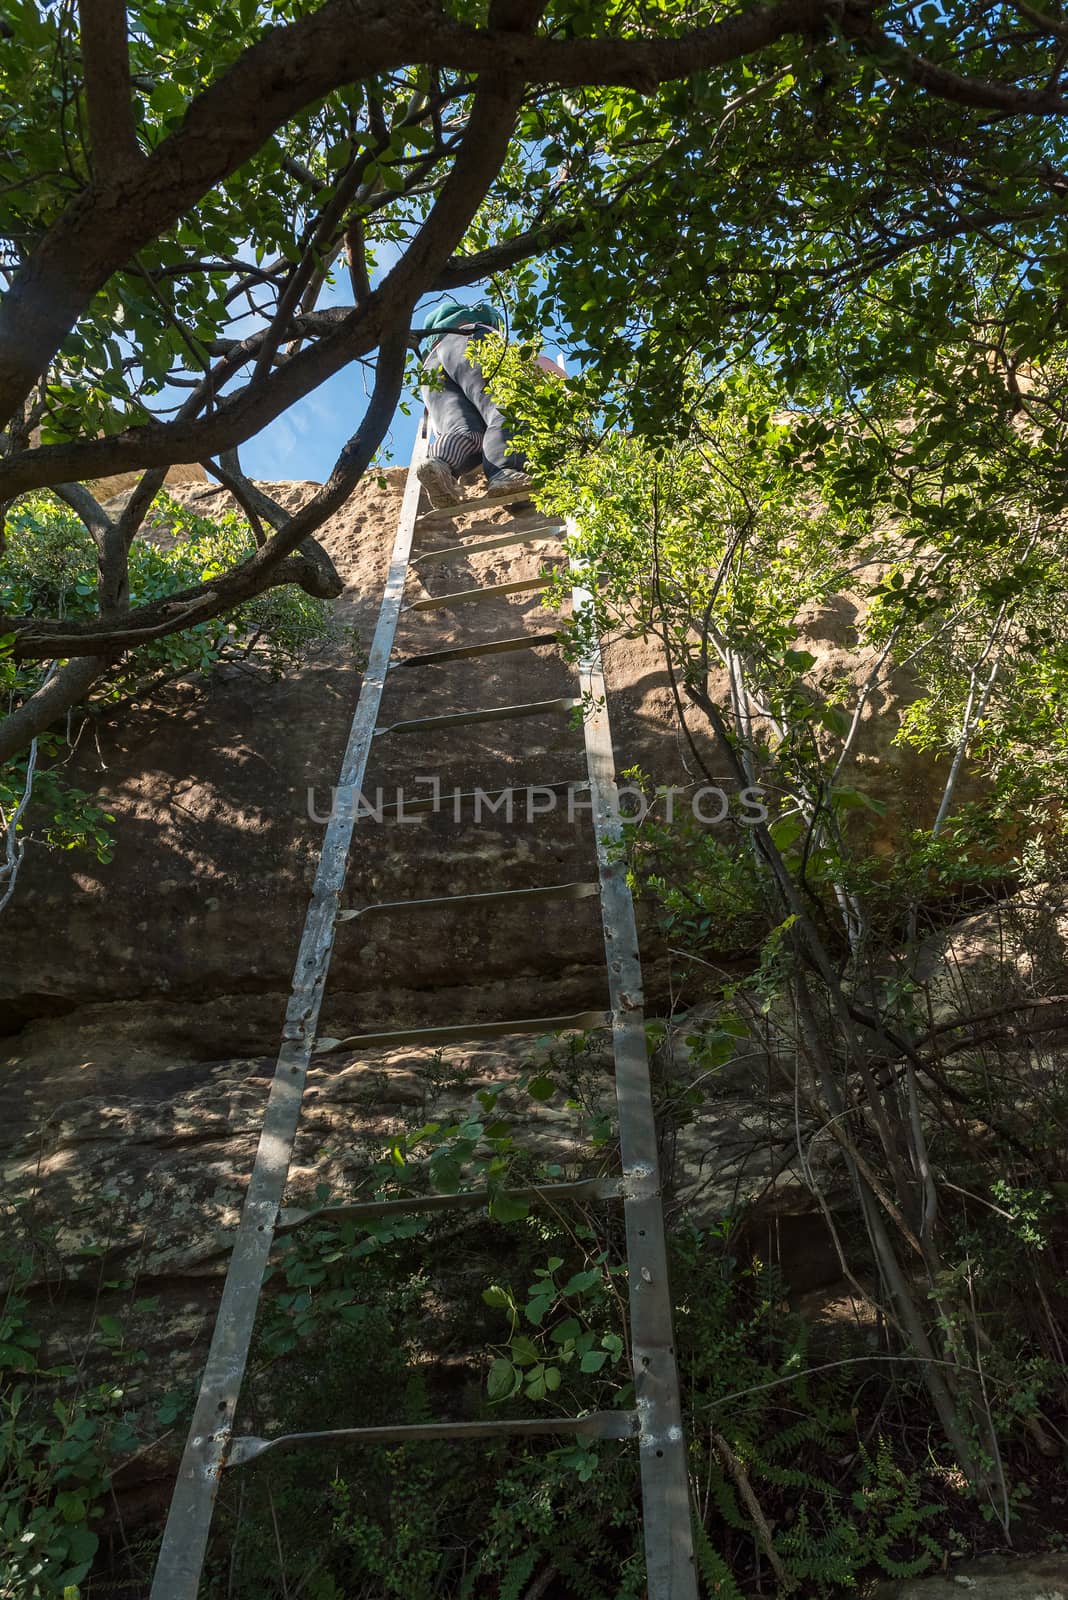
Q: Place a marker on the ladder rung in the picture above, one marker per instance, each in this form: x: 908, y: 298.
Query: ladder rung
x: 547, y: 891
x: 487, y: 592
x: 495, y: 497
x: 465, y: 652
x: 291, y: 1218
x: 455, y: 719
x: 597, y: 1425
x: 432, y: 805
x: 465, y: 1030
x: 548, y: 530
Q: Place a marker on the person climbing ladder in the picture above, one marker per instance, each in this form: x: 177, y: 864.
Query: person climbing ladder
x: 469, y: 429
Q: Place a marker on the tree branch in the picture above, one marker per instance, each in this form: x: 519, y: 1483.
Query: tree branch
x: 53, y: 699
x: 106, y: 64
x: 980, y: 93
x: 14, y: 847
x: 235, y: 417
x: 265, y: 569
x: 112, y: 548
x: 317, y: 574
x: 254, y: 504
x: 86, y: 507
x: 484, y: 145
x: 292, y: 66
x: 493, y: 110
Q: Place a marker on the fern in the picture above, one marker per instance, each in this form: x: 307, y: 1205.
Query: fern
x: 823, y: 1427
x: 718, y: 1580
x: 578, y: 1577
x: 726, y: 1499
x: 891, y: 1513
x: 516, y: 1574
x: 830, y: 1556
x: 794, y: 1478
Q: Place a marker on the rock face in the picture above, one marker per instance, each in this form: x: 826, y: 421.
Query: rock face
x: 141, y: 1003
x: 214, y: 795
x: 1034, y: 1578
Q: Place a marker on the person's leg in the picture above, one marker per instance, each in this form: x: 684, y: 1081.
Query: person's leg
x: 457, y: 443
x: 469, y: 379
x: 461, y: 451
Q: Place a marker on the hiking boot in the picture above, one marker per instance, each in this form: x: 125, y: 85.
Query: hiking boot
x: 511, y: 478
x: 440, y: 483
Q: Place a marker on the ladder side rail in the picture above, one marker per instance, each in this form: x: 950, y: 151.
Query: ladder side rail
x: 670, y: 1566
x: 185, y: 1538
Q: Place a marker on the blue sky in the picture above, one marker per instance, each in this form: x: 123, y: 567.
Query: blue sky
x: 304, y: 442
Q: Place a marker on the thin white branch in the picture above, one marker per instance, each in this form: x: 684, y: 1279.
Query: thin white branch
x: 14, y: 847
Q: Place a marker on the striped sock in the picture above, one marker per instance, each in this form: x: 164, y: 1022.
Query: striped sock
x: 461, y: 452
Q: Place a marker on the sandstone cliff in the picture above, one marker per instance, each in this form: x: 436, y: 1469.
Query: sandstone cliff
x: 141, y: 1002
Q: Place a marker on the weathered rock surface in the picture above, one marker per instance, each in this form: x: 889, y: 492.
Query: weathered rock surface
x: 212, y: 792
x: 142, y: 1002
x: 993, y: 1578
x: 1016, y: 950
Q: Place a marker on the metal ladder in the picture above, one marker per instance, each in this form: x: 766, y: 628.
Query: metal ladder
x: 655, y: 1421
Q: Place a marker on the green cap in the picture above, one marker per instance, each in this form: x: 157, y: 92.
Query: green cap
x: 451, y: 314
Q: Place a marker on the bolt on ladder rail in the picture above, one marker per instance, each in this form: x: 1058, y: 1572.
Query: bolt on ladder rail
x: 656, y: 1420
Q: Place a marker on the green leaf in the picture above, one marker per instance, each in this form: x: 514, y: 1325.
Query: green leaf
x: 503, y: 1380
x: 507, y: 1208
x: 535, y: 1383
x: 524, y: 1351
x: 167, y: 98
x: 168, y: 1410
x: 580, y: 1282
x: 537, y: 1307
x: 17, y: 1358
x: 787, y: 832
x: 836, y: 720
x: 854, y: 800
x: 541, y: 1088
x: 570, y: 1328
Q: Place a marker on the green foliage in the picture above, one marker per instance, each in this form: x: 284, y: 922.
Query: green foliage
x: 709, y: 893
x: 464, y: 1519
x: 727, y: 541
x: 716, y: 1575
x: 566, y: 1312
x: 48, y: 568
x: 828, y: 169
x: 64, y: 816
x: 745, y: 1359
x: 904, y: 432
x: 421, y: 1520
x: 59, y: 1437
x: 1027, y: 1211
x: 892, y: 1516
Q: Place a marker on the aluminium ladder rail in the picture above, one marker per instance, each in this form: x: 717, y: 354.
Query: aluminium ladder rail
x: 656, y: 1419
